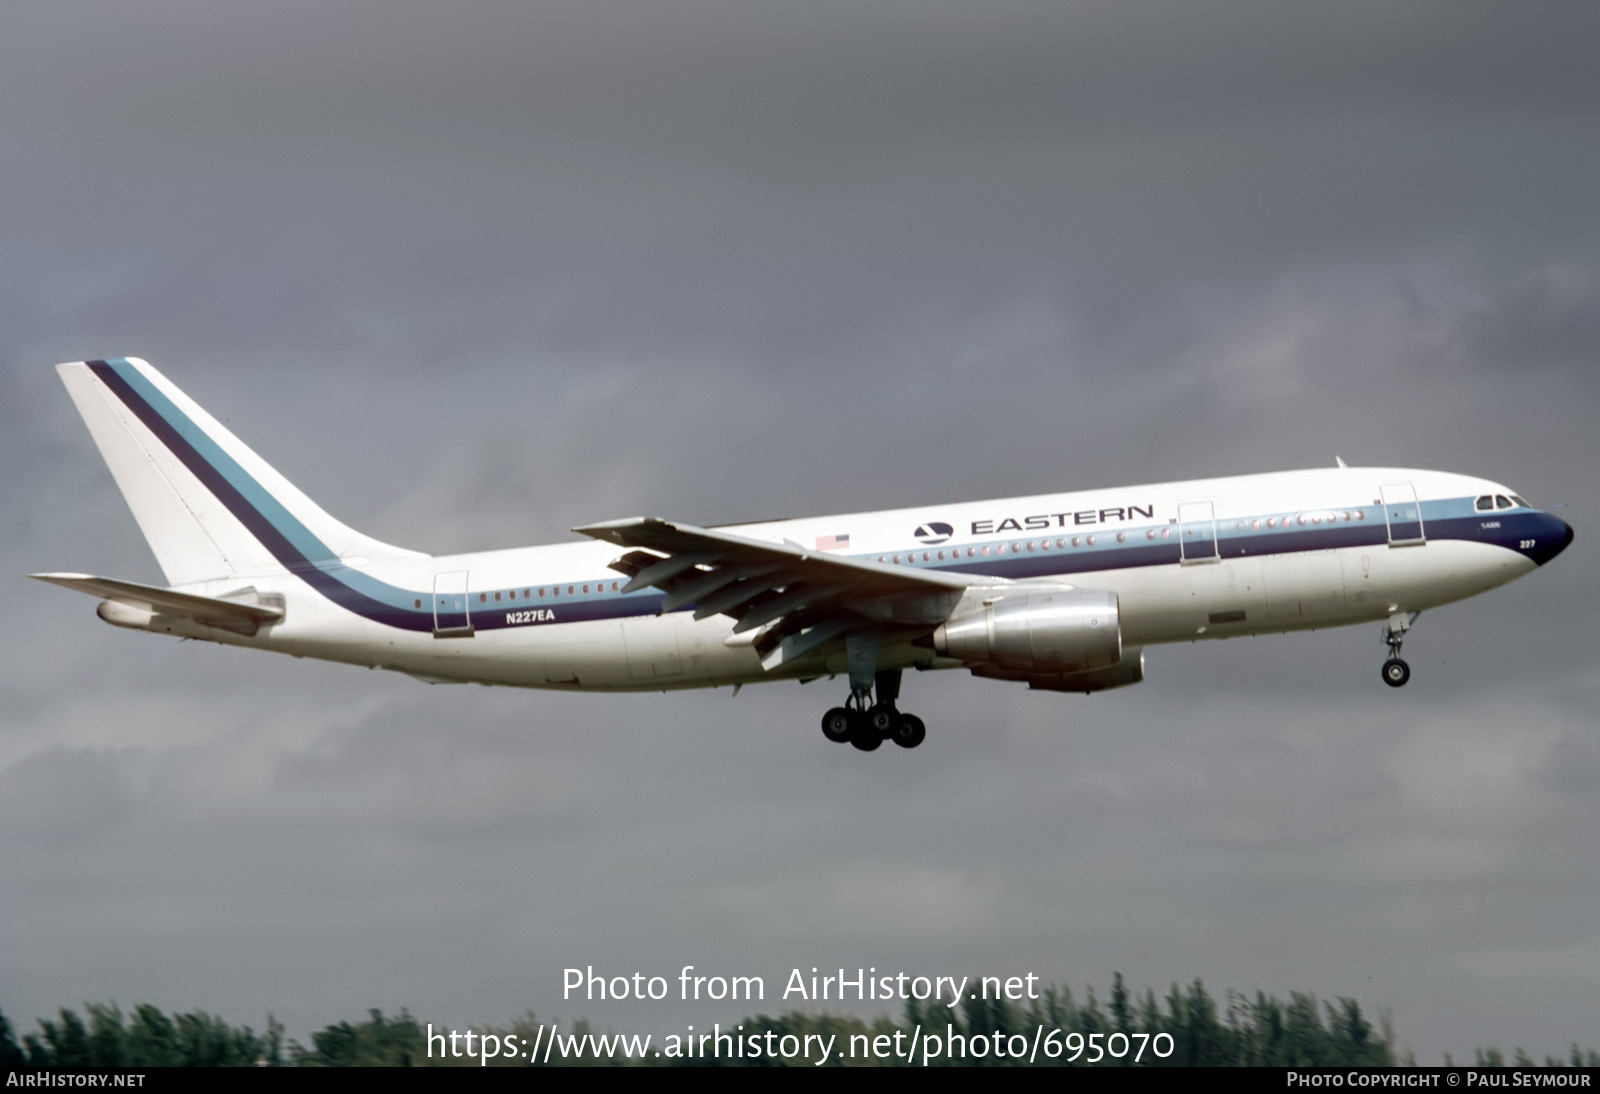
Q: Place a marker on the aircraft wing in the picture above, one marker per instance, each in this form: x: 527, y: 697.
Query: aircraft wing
x: 210, y: 610
x: 787, y: 601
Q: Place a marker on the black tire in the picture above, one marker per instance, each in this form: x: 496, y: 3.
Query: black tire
x: 1396, y: 672
x: 909, y: 732
x: 836, y: 725
x: 883, y: 718
x: 862, y: 735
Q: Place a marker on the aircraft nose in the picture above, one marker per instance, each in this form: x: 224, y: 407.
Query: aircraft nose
x: 1560, y: 537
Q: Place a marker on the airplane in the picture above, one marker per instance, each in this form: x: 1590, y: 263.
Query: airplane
x: 1060, y: 592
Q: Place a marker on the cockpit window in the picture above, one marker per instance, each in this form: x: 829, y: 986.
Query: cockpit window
x: 1520, y: 502
x: 1502, y: 502
x: 1485, y: 504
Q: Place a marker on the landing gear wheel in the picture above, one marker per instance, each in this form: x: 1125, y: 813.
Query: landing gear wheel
x: 862, y: 735
x: 883, y: 718
x: 909, y: 732
x: 836, y: 725
x: 1396, y: 672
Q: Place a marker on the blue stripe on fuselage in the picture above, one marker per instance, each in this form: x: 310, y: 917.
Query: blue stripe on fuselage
x: 303, y: 554
x: 285, y: 538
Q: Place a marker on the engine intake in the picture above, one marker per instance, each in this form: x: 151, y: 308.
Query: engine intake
x: 1051, y: 629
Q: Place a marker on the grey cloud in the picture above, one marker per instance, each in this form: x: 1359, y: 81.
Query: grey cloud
x: 1550, y: 316
x: 470, y: 278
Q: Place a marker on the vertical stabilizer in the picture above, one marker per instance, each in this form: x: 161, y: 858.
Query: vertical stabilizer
x: 209, y: 506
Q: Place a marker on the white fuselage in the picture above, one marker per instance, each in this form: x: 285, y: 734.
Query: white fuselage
x: 1213, y: 558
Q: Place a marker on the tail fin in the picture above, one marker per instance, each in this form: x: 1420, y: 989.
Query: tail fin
x: 208, y: 505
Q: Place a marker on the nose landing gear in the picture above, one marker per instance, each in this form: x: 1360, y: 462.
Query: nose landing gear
x: 1395, y: 671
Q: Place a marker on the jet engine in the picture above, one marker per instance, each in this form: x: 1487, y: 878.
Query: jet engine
x: 1034, y: 630
x: 1126, y: 672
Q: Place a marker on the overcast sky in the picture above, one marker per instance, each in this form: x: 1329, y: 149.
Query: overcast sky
x: 473, y: 274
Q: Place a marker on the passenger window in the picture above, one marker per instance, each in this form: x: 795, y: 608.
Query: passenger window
x: 1122, y: 537
x: 497, y: 598
x: 483, y: 598
x: 1091, y: 541
x: 541, y: 594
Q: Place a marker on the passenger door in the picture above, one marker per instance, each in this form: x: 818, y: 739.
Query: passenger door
x: 1403, y: 515
x: 1197, y: 533
x: 451, y: 616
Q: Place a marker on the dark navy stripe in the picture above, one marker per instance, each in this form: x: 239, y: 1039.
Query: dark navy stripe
x: 287, y: 554
x: 1512, y: 528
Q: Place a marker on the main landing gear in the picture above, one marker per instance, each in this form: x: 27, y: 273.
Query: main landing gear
x: 867, y: 724
x: 1395, y: 671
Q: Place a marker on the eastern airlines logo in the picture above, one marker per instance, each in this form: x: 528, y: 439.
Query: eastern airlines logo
x: 935, y: 532
x: 1038, y: 522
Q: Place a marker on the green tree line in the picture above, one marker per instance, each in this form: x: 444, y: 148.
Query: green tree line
x: 1237, y: 1030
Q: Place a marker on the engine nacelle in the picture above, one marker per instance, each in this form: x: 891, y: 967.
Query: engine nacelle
x: 1034, y: 629
x: 1126, y: 672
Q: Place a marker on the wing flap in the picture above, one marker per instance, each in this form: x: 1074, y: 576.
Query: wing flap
x: 679, y: 541
x: 801, y: 603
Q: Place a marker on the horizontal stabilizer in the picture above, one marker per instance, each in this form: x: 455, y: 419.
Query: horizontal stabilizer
x: 204, y: 609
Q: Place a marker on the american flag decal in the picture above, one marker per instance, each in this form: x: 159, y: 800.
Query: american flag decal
x: 832, y: 543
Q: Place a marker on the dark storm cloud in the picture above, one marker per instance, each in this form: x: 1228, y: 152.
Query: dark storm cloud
x: 473, y: 276
x: 1547, y: 317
